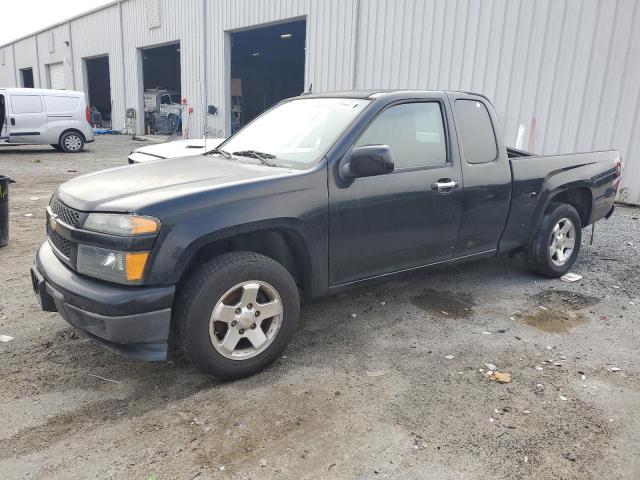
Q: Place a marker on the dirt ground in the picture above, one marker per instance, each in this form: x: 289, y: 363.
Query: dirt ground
x: 382, y: 382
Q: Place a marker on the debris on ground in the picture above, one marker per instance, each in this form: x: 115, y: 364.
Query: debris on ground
x: 6, y: 338
x: 615, y: 369
x: 376, y: 373
x: 34, y: 198
x: 541, y: 307
x: 28, y: 215
x: 571, y: 277
x: 449, y: 357
x: 491, y: 367
x: 500, y: 377
x: 562, y: 397
x: 539, y: 389
x: 569, y: 456
x: 103, y: 378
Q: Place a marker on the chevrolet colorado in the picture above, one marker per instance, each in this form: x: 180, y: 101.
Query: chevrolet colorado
x: 320, y: 193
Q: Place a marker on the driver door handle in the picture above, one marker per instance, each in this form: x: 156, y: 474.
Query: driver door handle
x: 444, y: 185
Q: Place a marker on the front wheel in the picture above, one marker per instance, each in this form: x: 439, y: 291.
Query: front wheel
x: 237, y: 314
x: 554, y: 248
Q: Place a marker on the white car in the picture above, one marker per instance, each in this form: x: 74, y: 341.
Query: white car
x: 31, y: 116
x: 175, y: 149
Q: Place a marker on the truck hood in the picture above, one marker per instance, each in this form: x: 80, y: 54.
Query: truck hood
x: 135, y: 188
x: 177, y: 148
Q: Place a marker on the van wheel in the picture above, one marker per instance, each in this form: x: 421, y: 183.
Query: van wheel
x: 72, y: 142
x: 555, y: 246
x: 57, y: 147
x: 236, y: 314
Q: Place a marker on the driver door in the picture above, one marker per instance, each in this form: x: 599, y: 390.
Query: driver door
x: 398, y: 221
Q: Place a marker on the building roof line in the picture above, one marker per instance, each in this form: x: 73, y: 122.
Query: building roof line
x: 63, y: 22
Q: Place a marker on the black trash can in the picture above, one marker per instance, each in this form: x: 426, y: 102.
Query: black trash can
x: 4, y: 209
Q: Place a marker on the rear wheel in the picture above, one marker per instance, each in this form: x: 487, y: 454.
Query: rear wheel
x: 237, y: 314
x: 555, y: 246
x: 72, y: 142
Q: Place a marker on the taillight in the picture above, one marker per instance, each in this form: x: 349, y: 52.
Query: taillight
x: 87, y: 112
x: 618, y: 173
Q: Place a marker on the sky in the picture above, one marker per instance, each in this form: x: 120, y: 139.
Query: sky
x: 20, y: 18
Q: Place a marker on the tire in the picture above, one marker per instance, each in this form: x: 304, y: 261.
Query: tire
x: 555, y: 247
x: 57, y: 147
x: 72, y: 142
x: 208, y: 321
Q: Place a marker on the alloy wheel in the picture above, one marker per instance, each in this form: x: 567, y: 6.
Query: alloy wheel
x: 246, y: 320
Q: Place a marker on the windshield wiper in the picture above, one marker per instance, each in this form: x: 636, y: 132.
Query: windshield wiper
x: 263, y: 157
x: 224, y: 153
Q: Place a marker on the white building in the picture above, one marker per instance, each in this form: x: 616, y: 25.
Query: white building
x: 567, y: 71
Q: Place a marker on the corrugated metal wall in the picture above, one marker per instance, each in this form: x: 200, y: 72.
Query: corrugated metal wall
x: 572, y: 66
x: 96, y: 35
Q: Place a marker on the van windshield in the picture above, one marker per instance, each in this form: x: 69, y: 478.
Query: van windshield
x: 296, y: 133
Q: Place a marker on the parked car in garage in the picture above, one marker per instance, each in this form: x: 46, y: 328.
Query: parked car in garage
x: 174, y: 149
x: 321, y: 193
x: 45, y: 117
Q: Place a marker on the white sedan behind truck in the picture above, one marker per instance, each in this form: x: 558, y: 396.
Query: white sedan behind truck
x: 175, y: 149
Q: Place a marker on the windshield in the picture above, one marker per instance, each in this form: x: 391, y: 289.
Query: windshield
x: 297, y: 133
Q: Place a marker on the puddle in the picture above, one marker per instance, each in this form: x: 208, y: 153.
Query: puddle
x: 444, y: 304
x: 562, y: 310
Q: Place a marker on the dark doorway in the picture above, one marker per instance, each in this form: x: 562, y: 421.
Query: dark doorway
x: 99, y: 89
x: 162, y: 89
x: 26, y: 76
x: 267, y: 65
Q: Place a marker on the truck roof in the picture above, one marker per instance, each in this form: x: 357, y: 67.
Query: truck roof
x: 369, y: 94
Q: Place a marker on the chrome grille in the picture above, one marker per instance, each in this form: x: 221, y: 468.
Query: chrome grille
x: 66, y: 214
x: 64, y: 246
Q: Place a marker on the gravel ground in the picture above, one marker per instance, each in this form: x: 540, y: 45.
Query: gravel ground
x: 381, y: 382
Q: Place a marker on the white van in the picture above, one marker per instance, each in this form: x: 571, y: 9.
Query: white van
x: 32, y: 116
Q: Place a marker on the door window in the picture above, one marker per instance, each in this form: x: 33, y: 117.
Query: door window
x: 477, y: 136
x: 413, y: 131
x: 26, y: 104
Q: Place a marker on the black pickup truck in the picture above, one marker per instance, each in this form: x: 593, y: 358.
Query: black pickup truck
x: 320, y: 193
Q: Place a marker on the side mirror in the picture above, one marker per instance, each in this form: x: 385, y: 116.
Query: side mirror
x: 367, y: 161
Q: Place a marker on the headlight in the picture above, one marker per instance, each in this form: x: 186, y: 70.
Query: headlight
x: 122, y: 224
x: 111, y: 265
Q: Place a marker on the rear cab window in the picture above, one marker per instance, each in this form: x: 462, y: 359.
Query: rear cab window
x: 413, y: 131
x: 22, y: 104
x: 477, y: 136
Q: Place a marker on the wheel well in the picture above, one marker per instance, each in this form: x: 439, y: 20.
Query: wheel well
x: 282, y: 246
x: 72, y: 130
x: 578, y: 198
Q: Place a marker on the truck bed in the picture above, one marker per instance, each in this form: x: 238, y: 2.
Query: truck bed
x: 536, y: 178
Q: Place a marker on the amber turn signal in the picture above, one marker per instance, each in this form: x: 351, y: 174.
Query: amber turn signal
x: 143, y: 225
x: 135, y: 263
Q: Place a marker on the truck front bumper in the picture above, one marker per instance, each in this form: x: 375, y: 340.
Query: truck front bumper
x: 133, y: 321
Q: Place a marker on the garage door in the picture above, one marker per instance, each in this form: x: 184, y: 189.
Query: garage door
x: 56, y: 76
